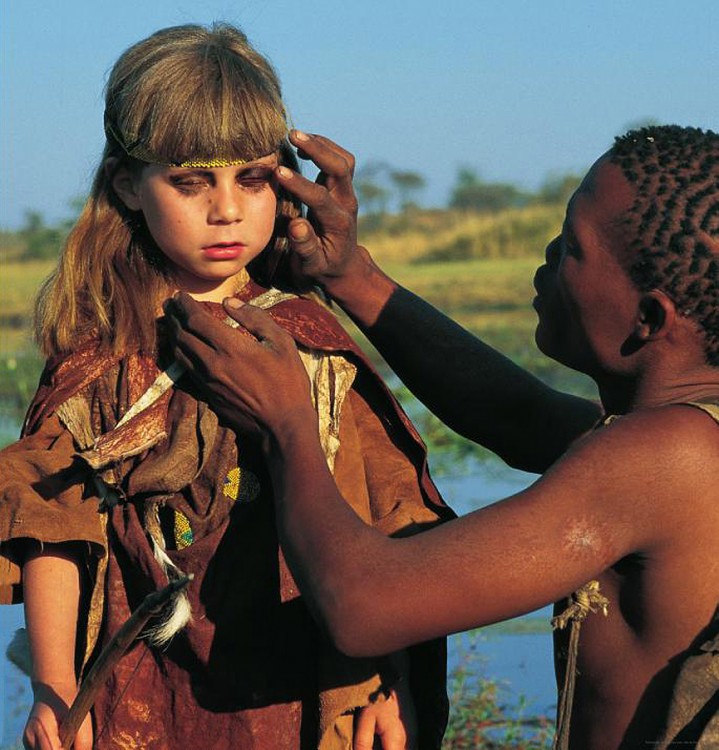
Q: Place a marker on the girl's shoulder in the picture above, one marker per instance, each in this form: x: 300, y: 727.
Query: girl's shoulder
x: 91, y: 366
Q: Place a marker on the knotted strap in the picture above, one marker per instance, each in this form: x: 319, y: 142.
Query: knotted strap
x: 586, y: 599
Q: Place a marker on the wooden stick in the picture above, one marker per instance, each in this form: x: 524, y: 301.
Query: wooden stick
x: 111, y: 654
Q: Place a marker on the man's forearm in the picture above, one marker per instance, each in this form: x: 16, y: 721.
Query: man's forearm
x: 363, y: 291
x: 326, y: 544
x: 471, y: 387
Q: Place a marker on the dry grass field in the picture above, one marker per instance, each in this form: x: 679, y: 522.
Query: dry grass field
x: 476, y: 268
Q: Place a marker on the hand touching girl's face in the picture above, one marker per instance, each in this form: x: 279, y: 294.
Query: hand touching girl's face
x: 209, y: 222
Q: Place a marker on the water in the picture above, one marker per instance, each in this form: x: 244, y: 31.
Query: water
x: 522, y: 663
x: 15, y: 694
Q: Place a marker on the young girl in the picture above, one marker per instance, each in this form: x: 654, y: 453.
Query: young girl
x: 124, y: 479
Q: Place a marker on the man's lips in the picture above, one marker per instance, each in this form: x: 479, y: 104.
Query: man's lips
x: 223, y: 250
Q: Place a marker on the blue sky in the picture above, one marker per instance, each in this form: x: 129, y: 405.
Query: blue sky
x: 515, y: 89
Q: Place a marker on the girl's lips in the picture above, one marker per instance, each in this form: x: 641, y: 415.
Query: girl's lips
x: 223, y: 252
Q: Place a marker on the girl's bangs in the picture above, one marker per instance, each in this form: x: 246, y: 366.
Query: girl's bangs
x: 230, y: 121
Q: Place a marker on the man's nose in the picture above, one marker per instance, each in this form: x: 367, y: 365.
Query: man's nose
x: 553, y: 251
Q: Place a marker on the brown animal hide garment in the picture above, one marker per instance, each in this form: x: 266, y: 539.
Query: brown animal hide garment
x: 251, y: 669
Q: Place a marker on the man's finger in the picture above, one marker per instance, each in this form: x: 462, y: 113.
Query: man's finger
x: 312, y: 194
x: 336, y: 165
x: 255, y: 320
x: 325, y: 153
x: 194, y: 328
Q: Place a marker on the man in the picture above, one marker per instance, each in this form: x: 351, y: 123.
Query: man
x: 629, y: 294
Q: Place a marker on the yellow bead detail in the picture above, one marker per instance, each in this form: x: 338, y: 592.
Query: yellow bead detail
x: 241, y: 485
x: 210, y: 163
x: 183, y: 531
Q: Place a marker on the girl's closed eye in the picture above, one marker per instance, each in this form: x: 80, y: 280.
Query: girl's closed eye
x: 189, y: 183
x: 256, y: 178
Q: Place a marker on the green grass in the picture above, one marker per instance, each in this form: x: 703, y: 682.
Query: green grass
x: 492, y: 299
x: 442, y: 236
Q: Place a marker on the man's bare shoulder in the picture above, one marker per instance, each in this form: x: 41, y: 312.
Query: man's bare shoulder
x: 642, y: 467
x: 675, y: 437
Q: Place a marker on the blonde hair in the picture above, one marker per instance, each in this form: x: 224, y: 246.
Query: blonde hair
x: 186, y: 93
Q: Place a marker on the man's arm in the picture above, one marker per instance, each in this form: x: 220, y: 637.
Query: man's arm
x: 616, y: 492
x: 471, y: 387
x: 474, y: 389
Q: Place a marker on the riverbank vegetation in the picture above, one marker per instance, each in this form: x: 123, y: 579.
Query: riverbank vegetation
x: 475, y: 267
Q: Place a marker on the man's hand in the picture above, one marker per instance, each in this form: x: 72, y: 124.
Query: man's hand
x: 252, y: 376
x: 325, y: 243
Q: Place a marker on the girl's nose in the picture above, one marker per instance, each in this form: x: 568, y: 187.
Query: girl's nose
x: 225, y: 205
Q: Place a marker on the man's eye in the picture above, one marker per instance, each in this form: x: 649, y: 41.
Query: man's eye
x: 571, y: 248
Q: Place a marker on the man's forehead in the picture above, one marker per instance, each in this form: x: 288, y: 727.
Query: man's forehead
x: 600, y: 207
x: 605, y: 191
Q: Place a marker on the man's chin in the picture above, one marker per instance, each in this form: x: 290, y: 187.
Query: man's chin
x: 546, y: 343
x: 543, y: 340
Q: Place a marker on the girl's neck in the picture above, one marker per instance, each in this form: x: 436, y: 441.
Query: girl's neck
x: 216, y: 293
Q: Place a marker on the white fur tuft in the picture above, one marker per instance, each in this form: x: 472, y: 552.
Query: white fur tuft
x: 178, y: 614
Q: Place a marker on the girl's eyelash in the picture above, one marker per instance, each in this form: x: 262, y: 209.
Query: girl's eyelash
x: 187, y: 183
x: 254, y: 185
x: 255, y: 175
x: 253, y: 180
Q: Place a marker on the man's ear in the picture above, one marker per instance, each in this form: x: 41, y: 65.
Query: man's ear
x: 124, y: 182
x: 656, y: 314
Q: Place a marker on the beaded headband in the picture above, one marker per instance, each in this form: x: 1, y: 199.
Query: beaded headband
x: 137, y: 150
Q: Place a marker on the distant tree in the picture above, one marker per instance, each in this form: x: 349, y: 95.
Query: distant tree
x: 408, y: 184
x: 41, y: 241
x: 372, y: 195
x: 472, y: 193
x: 558, y: 188
x: 373, y: 198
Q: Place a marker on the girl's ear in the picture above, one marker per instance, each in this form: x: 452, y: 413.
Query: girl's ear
x: 123, y: 182
x: 656, y: 315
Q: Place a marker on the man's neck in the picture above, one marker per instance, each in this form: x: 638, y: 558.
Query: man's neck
x: 657, y: 388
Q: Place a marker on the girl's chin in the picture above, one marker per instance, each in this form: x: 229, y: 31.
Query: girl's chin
x: 214, y: 289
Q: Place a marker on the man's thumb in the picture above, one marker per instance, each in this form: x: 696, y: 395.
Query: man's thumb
x: 302, y: 238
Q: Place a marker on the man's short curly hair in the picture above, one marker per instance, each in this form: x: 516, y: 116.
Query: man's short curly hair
x: 675, y: 219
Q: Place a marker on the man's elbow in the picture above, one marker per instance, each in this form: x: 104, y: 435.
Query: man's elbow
x: 354, y: 628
